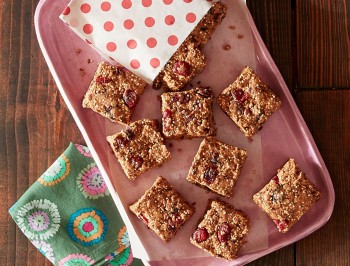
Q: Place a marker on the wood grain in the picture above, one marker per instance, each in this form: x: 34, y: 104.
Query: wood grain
x: 274, y: 20
x: 327, y: 114
x: 309, y: 41
x: 323, y: 43
x: 36, y: 125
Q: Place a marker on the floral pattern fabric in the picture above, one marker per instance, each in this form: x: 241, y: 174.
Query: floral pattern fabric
x: 70, y: 217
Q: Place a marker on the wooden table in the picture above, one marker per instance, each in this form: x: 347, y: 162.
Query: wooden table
x: 309, y: 40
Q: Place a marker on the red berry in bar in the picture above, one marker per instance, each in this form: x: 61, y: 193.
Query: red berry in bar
x: 102, y: 80
x: 224, y: 232
x: 200, y: 235
x: 182, y: 68
x: 130, y: 98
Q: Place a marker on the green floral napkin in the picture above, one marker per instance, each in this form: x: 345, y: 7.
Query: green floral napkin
x: 70, y: 217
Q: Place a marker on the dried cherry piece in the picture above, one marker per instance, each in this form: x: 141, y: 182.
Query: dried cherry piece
x: 239, y: 96
x: 174, y: 222
x: 275, y: 178
x: 143, y: 218
x: 130, y: 98
x: 167, y: 113
x: 182, y: 68
x: 185, y: 98
x: 205, y: 92
x: 281, y: 225
x: 121, y: 142
x: 102, y: 80
x: 129, y: 134
x: 200, y: 235
x: 176, y: 97
x: 224, y: 232
x: 136, y: 162
x: 210, y: 174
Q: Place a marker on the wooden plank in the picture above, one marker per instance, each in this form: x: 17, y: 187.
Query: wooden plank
x: 274, y: 20
x: 284, y: 256
x: 323, y: 44
x: 327, y: 114
x: 36, y: 127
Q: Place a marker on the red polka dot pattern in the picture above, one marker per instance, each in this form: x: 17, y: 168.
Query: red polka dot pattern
x: 111, y: 46
x: 126, y: 4
x: 151, y: 42
x: 88, y: 28
x: 135, y: 64
x: 155, y: 62
x: 173, y: 40
x: 66, y: 11
x: 128, y: 24
x: 139, y: 34
x: 105, y: 6
x: 146, y: 3
x: 108, y: 26
x: 132, y: 44
x: 85, y: 8
x: 191, y: 17
x: 169, y: 20
x: 149, y: 22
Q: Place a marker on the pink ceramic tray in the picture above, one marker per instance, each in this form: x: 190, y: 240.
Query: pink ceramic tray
x: 235, y: 44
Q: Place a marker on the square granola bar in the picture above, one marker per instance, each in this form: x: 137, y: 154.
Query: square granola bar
x: 217, y: 166
x: 188, y: 61
x: 288, y: 196
x: 162, y: 209
x: 202, y: 33
x: 188, y: 114
x: 222, y: 231
x: 114, y: 93
x: 139, y: 147
x: 248, y: 102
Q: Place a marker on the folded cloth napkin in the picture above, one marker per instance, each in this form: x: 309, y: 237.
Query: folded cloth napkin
x: 70, y: 217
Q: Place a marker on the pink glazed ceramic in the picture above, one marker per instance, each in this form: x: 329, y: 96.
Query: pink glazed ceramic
x: 235, y: 44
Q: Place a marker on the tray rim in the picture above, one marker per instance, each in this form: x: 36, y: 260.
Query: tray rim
x: 280, y: 80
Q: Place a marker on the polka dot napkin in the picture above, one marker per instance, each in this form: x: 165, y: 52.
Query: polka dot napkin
x: 70, y: 217
x: 141, y: 35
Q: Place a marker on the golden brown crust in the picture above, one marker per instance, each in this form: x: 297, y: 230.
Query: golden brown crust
x: 226, y: 230
x: 139, y: 147
x: 188, y: 114
x: 163, y: 209
x: 217, y: 166
x: 202, y: 33
x: 248, y: 102
x: 114, y: 93
x: 288, y: 196
x: 195, y: 60
x: 190, y: 52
